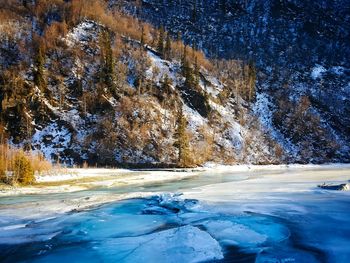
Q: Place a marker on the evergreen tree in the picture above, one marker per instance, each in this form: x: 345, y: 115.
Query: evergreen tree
x: 38, y: 73
x: 142, y: 40
x: 166, y: 96
x: 108, y: 63
x: 167, y: 84
x: 223, y: 6
x: 251, y: 80
x: 196, y: 72
x: 182, y: 140
x: 179, y: 36
x: 184, y: 62
x: 160, y: 46
x: 194, y: 49
x: 167, y: 51
x: 191, y: 80
x: 194, y: 12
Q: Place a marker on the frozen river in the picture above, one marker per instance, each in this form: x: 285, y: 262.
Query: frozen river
x: 222, y: 215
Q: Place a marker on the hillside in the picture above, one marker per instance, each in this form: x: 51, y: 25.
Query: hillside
x: 83, y: 88
x: 301, y: 51
x: 83, y: 81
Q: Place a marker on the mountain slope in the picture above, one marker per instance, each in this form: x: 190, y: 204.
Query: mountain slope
x: 81, y: 85
x: 301, y: 50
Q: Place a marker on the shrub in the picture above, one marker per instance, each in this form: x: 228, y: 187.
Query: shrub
x: 23, y: 170
x: 38, y: 162
x: 2, y: 172
x: 3, y: 165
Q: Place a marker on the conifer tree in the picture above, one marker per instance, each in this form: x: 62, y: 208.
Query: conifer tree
x: 182, y: 140
x: 184, y: 62
x: 252, y: 79
x: 196, y: 72
x: 194, y: 12
x: 38, y: 73
x: 188, y: 72
x: 167, y: 51
x: 142, y: 40
x: 167, y: 84
x: 108, y: 63
x: 160, y: 45
x: 223, y: 6
x: 179, y: 36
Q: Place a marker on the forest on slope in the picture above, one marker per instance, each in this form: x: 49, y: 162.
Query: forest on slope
x: 87, y: 81
x: 301, y: 50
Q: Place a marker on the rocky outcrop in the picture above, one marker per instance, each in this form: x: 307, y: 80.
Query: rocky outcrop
x: 336, y: 187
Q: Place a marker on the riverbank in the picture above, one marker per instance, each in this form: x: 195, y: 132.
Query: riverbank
x: 79, y: 189
x: 66, y: 190
x: 78, y: 179
x: 72, y: 180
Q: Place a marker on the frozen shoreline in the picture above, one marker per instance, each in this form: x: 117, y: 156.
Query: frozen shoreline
x: 258, y: 182
x: 72, y: 180
x: 79, y: 179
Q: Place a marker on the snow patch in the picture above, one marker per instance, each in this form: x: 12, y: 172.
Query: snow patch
x: 164, y: 67
x: 195, y: 120
x: 263, y: 108
x: 52, y: 140
x: 82, y: 33
x: 317, y: 72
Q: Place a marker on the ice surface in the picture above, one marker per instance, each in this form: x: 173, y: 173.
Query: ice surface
x: 183, y: 244
x: 233, y: 233
x: 264, y: 214
x: 286, y: 255
x: 246, y: 231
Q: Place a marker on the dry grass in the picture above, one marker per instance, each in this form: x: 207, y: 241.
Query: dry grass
x: 9, y: 154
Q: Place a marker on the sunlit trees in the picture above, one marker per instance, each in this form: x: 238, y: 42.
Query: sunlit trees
x: 250, y: 80
x: 182, y: 141
x: 18, y: 166
x: 23, y: 170
x: 166, y: 85
x: 167, y: 48
x: 160, y: 45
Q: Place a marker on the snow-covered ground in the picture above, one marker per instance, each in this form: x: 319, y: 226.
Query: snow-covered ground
x: 76, y: 174
x: 251, y: 213
x: 73, y: 180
